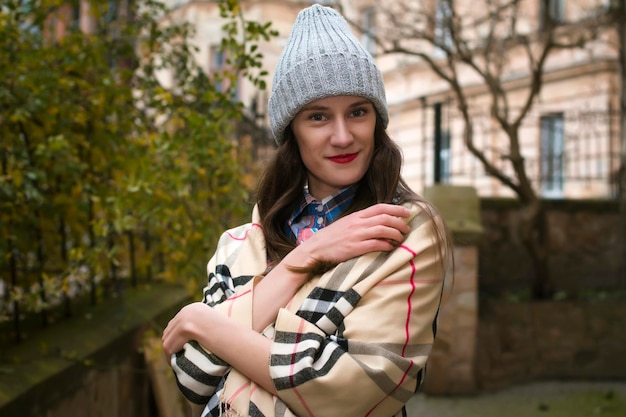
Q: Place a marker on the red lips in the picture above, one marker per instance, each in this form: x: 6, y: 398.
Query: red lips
x: 344, y: 159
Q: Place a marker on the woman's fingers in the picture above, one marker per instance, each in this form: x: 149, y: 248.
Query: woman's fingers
x: 382, y: 208
x: 377, y: 228
x: 184, y: 326
x: 382, y: 221
x: 385, y: 232
x: 169, y: 337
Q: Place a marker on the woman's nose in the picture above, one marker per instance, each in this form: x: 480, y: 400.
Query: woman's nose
x: 341, y: 135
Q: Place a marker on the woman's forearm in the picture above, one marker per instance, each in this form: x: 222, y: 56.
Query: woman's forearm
x: 245, y: 350
x: 276, y: 289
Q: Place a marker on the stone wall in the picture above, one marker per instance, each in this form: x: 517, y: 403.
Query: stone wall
x: 524, y: 342
x: 584, y: 339
x: 122, y: 389
x: 584, y: 247
x: 91, y: 364
x: 497, y: 342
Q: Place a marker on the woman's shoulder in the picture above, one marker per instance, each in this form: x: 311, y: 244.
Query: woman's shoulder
x: 242, y: 240
x: 423, y: 212
x: 240, y: 254
x: 241, y: 232
x: 421, y: 207
x: 415, y: 202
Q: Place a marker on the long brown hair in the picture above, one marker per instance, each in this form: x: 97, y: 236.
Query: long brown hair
x: 281, y: 186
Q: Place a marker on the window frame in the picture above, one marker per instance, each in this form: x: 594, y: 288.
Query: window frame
x: 552, y: 154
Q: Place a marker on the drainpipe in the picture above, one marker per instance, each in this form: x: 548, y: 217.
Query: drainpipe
x: 621, y: 32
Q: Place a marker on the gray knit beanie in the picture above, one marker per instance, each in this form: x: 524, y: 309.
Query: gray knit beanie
x: 322, y: 58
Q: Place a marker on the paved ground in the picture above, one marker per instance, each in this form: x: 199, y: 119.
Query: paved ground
x: 543, y: 399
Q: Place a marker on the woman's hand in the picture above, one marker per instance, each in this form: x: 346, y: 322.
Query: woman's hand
x: 242, y: 348
x: 377, y: 228
x: 189, y: 323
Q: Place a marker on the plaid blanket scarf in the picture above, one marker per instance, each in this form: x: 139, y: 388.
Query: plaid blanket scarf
x: 352, y: 342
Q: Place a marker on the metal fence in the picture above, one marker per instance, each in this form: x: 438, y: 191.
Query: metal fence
x: 570, y: 154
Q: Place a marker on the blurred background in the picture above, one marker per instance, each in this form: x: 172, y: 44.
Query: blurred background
x: 132, y: 133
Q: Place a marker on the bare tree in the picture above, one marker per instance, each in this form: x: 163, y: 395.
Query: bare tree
x: 484, y: 38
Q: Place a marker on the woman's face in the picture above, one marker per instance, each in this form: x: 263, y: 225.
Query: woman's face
x: 335, y: 136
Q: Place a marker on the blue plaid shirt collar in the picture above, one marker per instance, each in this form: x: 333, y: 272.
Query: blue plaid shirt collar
x: 325, y: 211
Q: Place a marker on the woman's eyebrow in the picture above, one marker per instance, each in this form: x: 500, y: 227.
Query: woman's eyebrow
x: 361, y: 103
x: 314, y: 107
x: 320, y: 107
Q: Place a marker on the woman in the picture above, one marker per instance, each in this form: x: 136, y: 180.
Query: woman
x: 326, y: 303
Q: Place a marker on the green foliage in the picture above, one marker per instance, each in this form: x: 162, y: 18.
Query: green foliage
x: 243, y: 55
x: 107, y: 175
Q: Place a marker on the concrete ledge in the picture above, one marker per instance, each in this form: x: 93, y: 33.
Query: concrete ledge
x: 52, y: 364
x: 460, y: 207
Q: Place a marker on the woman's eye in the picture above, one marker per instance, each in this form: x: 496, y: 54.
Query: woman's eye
x: 358, y: 112
x: 318, y: 117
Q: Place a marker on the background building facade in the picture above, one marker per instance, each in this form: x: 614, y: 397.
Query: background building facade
x: 569, y: 139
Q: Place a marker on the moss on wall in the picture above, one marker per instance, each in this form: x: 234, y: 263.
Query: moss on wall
x: 36, y: 374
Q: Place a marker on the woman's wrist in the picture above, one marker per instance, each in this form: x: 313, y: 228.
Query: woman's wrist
x: 303, y: 256
x: 203, y: 323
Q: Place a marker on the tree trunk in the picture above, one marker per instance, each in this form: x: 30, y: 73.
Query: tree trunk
x: 534, y: 235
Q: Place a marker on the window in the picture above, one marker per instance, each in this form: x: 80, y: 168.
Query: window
x: 368, y: 18
x: 216, y: 58
x: 218, y: 67
x: 444, y: 158
x: 216, y: 64
x: 111, y: 15
x: 443, y: 31
x: 73, y: 14
x: 551, y: 175
x: 442, y: 147
x: 553, y: 10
